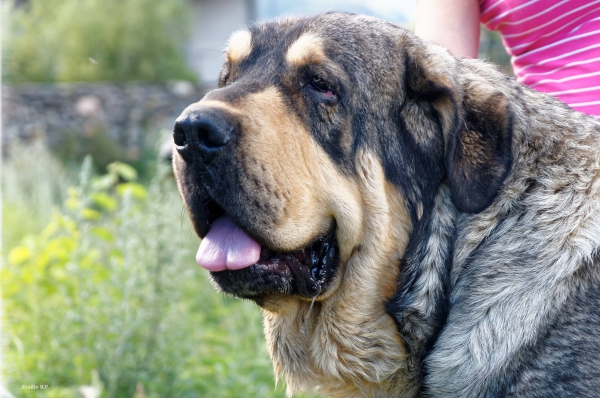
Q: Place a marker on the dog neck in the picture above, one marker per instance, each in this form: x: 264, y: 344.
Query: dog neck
x: 419, y: 307
x: 348, y: 344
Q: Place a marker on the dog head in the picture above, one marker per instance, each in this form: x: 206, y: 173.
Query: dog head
x: 308, y: 168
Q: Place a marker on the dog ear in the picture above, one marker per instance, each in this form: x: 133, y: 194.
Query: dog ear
x: 476, y: 121
x: 479, y: 150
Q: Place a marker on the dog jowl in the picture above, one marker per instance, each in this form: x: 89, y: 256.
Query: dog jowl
x: 335, y: 148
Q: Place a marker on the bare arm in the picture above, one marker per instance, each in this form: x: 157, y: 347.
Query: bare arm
x: 451, y: 23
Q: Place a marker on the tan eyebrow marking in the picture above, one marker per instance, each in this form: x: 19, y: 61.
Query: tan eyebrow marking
x: 309, y: 48
x: 239, y: 45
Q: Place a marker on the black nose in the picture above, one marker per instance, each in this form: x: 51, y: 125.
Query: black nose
x: 203, y: 133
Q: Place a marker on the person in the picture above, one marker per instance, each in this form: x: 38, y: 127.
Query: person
x: 554, y: 44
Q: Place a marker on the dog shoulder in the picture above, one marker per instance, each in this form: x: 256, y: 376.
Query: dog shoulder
x: 520, y: 264
x: 564, y: 362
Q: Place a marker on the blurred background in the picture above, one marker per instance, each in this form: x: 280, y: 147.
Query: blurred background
x: 101, y: 296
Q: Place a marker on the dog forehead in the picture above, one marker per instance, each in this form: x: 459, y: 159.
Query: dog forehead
x: 289, y: 41
x: 297, y: 41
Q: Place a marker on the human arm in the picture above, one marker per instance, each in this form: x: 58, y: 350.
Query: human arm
x: 451, y: 23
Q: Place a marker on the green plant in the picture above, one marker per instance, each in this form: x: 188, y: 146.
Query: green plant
x: 33, y: 184
x: 96, y: 40
x: 108, y: 294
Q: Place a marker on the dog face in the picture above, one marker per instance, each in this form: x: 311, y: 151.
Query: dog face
x: 308, y: 168
x: 271, y: 149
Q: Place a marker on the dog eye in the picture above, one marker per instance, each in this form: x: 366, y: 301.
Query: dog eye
x: 319, y: 84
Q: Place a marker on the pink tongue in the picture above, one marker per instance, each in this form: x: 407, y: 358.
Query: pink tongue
x: 226, y: 246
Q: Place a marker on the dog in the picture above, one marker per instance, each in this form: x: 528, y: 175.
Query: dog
x: 411, y: 223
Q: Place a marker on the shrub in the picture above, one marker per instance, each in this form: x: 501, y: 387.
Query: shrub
x: 96, y: 40
x: 108, y: 295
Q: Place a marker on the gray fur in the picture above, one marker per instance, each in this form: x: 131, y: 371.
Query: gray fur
x: 521, y: 264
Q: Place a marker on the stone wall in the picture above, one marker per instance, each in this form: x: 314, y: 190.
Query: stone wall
x: 108, y: 120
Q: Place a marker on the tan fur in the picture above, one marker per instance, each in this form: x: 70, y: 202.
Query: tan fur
x: 215, y: 104
x: 239, y: 46
x: 419, y: 210
x: 352, y: 347
x: 308, y: 49
x: 349, y: 345
x: 288, y: 162
x: 475, y: 152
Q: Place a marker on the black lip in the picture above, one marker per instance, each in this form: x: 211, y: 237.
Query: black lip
x: 306, y: 272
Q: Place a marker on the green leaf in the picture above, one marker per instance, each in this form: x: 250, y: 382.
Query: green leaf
x: 104, y: 182
x: 90, y: 214
x: 72, y: 192
x: 59, y: 274
x: 19, y: 255
x: 103, y: 233
x: 117, y: 256
x: 61, y: 248
x: 137, y: 190
x: 8, y: 282
x: 104, y: 200
x: 123, y: 170
x: 72, y: 201
x: 90, y: 259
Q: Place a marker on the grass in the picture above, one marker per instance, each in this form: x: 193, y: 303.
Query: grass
x: 100, y: 288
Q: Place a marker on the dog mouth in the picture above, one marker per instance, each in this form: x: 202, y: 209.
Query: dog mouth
x: 241, y: 266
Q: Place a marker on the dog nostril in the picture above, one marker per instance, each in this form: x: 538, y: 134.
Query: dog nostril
x: 203, y: 134
x: 210, y: 137
x: 179, y: 136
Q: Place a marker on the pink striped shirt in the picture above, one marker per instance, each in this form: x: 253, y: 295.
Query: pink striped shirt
x: 554, y: 44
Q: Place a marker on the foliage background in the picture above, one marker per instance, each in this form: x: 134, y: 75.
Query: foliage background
x: 106, y: 292
x: 53, y: 40
x: 101, y: 295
